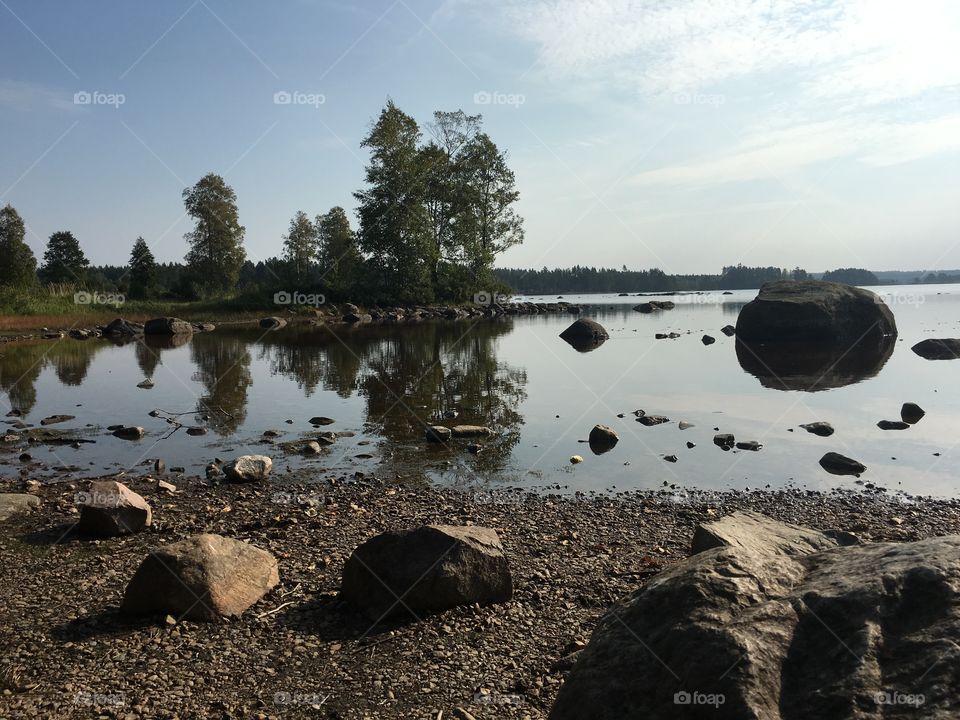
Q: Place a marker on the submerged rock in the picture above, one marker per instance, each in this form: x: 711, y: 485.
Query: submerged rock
x: 438, y: 433
x: 821, y: 428
x: 248, y: 468
x: 602, y: 438
x: 272, y: 323
x: 585, y: 334
x: 429, y: 569
x: 838, y: 464
x: 167, y: 326
x: 651, y: 420
x: 893, y: 425
x: 938, y: 349
x: 470, y: 431
x: 129, y: 432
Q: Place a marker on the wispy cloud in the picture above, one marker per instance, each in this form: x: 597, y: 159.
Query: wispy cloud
x: 28, y: 97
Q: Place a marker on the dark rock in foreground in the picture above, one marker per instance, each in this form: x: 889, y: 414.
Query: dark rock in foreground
x: 110, y: 508
x: 814, y: 310
x: 167, y: 326
x: 775, y: 621
x: 204, y: 577
x: 838, y: 464
x: 911, y: 413
x: 938, y: 349
x: 602, y: 438
x: 429, y: 569
x: 585, y: 334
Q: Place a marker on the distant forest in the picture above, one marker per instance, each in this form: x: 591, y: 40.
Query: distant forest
x: 580, y: 279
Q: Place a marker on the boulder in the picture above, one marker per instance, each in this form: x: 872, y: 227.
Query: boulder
x: 470, y: 431
x: 778, y: 622
x: 758, y: 533
x: 129, y: 432
x: 110, y: 508
x: 602, y: 439
x: 438, y: 433
x: 837, y: 464
x: 15, y: 503
x: 167, y: 326
x: 938, y: 349
x: 122, y: 328
x: 646, y: 308
x: 585, y: 334
x: 821, y: 428
x: 911, y: 413
x: 204, y: 577
x: 272, y: 323
x: 248, y: 468
x: 814, y: 310
x: 429, y: 569
x: 311, y: 448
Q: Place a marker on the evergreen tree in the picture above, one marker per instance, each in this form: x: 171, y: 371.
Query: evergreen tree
x: 216, y: 243
x: 143, y: 270
x: 18, y: 268
x: 300, y: 244
x: 63, y: 260
x: 340, y: 259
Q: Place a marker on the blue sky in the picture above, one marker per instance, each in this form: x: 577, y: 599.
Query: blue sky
x: 683, y: 135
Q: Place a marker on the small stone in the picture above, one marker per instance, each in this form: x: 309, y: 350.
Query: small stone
x: 576, y: 459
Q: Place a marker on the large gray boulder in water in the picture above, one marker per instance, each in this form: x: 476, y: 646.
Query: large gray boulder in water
x: 585, y: 334
x: 167, y: 326
x: 778, y: 623
x: 814, y: 310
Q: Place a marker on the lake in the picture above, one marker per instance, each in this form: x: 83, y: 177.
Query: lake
x: 383, y: 383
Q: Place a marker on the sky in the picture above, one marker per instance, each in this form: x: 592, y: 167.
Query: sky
x: 685, y: 135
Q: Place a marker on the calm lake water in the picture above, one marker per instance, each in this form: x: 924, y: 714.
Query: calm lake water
x: 381, y: 384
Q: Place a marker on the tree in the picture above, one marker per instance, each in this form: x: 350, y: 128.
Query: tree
x: 19, y: 266
x: 143, y: 270
x: 340, y: 259
x: 852, y: 276
x: 216, y: 243
x: 63, y: 260
x: 394, y: 232
x: 300, y: 244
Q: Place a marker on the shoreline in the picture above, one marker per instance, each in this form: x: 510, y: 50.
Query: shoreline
x: 301, y: 651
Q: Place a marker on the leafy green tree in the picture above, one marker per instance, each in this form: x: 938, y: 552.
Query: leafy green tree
x: 394, y: 231
x: 63, y: 260
x: 19, y: 266
x: 300, y: 244
x: 143, y: 270
x: 340, y: 258
x: 216, y: 242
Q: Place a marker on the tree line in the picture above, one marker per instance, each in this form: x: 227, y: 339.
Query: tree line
x: 433, y: 216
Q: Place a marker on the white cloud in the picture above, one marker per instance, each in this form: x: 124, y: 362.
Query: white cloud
x: 27, y: 96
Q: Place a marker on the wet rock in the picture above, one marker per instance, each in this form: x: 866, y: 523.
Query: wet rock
x: 129, y: 432
x: 602, y: 438
x: 938, y: 349
x: 666, y: 336
x: 893, y: 425
x: 470, y: 431
x: 110, y: 508
x: 54, y: 419
x: 15, y: 503
x: 728, y: 330
x: 121, y: 328
x: 248, y: 468
x: 311, y: 448
x: 585, y: 334
x: 725, y: 441
x: 196, y: 431
x: 814, y: 310
x: 838, y: 464
x: 821, y: 428
x: 271, y: 433
x: 159, y: 466
x: 321, y: 420
x: 438, y: 433
x: 769, y: 622
x: 204, y: 577
x: 272, y: 323
x: 167, y: 326
x: 911, y: 413
x: 211, y: 470
x: 751, y: 445
x: 651, y: 420
x: 327, y: 438
x: 80, y: 334
x: 429, y: 569
x: 708, y: 340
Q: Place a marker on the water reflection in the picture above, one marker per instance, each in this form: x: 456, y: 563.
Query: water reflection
x: 812, y: 367
x: 223, y: 368
x: 21, y: 365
